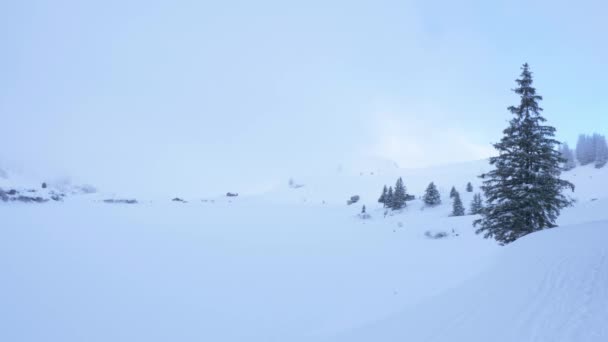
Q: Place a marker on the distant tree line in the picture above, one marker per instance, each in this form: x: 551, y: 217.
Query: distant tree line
x: 396, y: 198
x: 590, y: 149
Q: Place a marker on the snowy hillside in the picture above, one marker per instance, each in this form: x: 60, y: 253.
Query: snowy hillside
x: 549, y: 286
x: 337, y: 187
x: 20, y: 187
x: 297, y: 264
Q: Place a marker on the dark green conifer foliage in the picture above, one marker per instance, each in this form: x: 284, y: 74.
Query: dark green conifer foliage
x: 431, y: 196
x: 523, y: 192
x: 476, y: 204
x: 399, y: 195
x: 390, y: 196
x: 383, y: 196
x: 457, y: 207
x: 453, y: 192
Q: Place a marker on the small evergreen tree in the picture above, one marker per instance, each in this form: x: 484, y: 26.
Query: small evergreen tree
x: 382, y: 198
x: 476, y: 204
x: 364, y: 215
x: 453, y: 192
x: 568, y: 156
x: 399, y: 195
x: 390, y: 198
x: 431, y: 196
x: 469, y: 187
x: 580, y: 149
x: 457, y: 207
x: 523, y: 192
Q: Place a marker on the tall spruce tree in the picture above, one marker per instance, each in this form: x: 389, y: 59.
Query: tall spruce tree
x: 523, y: 192
x: 399, y: 195
x: 431, y: 195
x: 382, y: 198
x: 457, y: 207
x: 476, y: 204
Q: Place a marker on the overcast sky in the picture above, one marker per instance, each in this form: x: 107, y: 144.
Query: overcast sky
x: 211, y: 95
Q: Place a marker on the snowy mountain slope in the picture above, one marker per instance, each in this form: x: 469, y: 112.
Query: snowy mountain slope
x: 337, y: 187
x: 282, y: 266
x: 21, y: 187
x: 549, y: 286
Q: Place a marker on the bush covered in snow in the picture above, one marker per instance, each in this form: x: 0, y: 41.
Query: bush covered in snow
x: 353, y: 199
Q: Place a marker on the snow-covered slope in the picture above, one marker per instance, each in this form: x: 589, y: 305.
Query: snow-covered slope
x: 336, y: 187
x: 551, y: 286
x: 299, y: 265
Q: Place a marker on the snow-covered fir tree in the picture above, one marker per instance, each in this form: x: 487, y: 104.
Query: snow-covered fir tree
x: 453, y: 192
x: 383, y: 196
x: 399, y: 195
x: 469, y: 187
x: 390, y: 198
x: 568, y: 156
x: 476, y: 204
x: 457, y: 207
x: 431, y: 195
x: 601, y: 150
x: 523, y: 192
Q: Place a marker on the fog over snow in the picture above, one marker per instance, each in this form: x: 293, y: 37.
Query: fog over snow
x: 183, y: 96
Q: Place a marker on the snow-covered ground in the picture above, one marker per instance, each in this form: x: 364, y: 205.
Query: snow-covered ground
x: 299, y: 265
x: 549, y: 286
